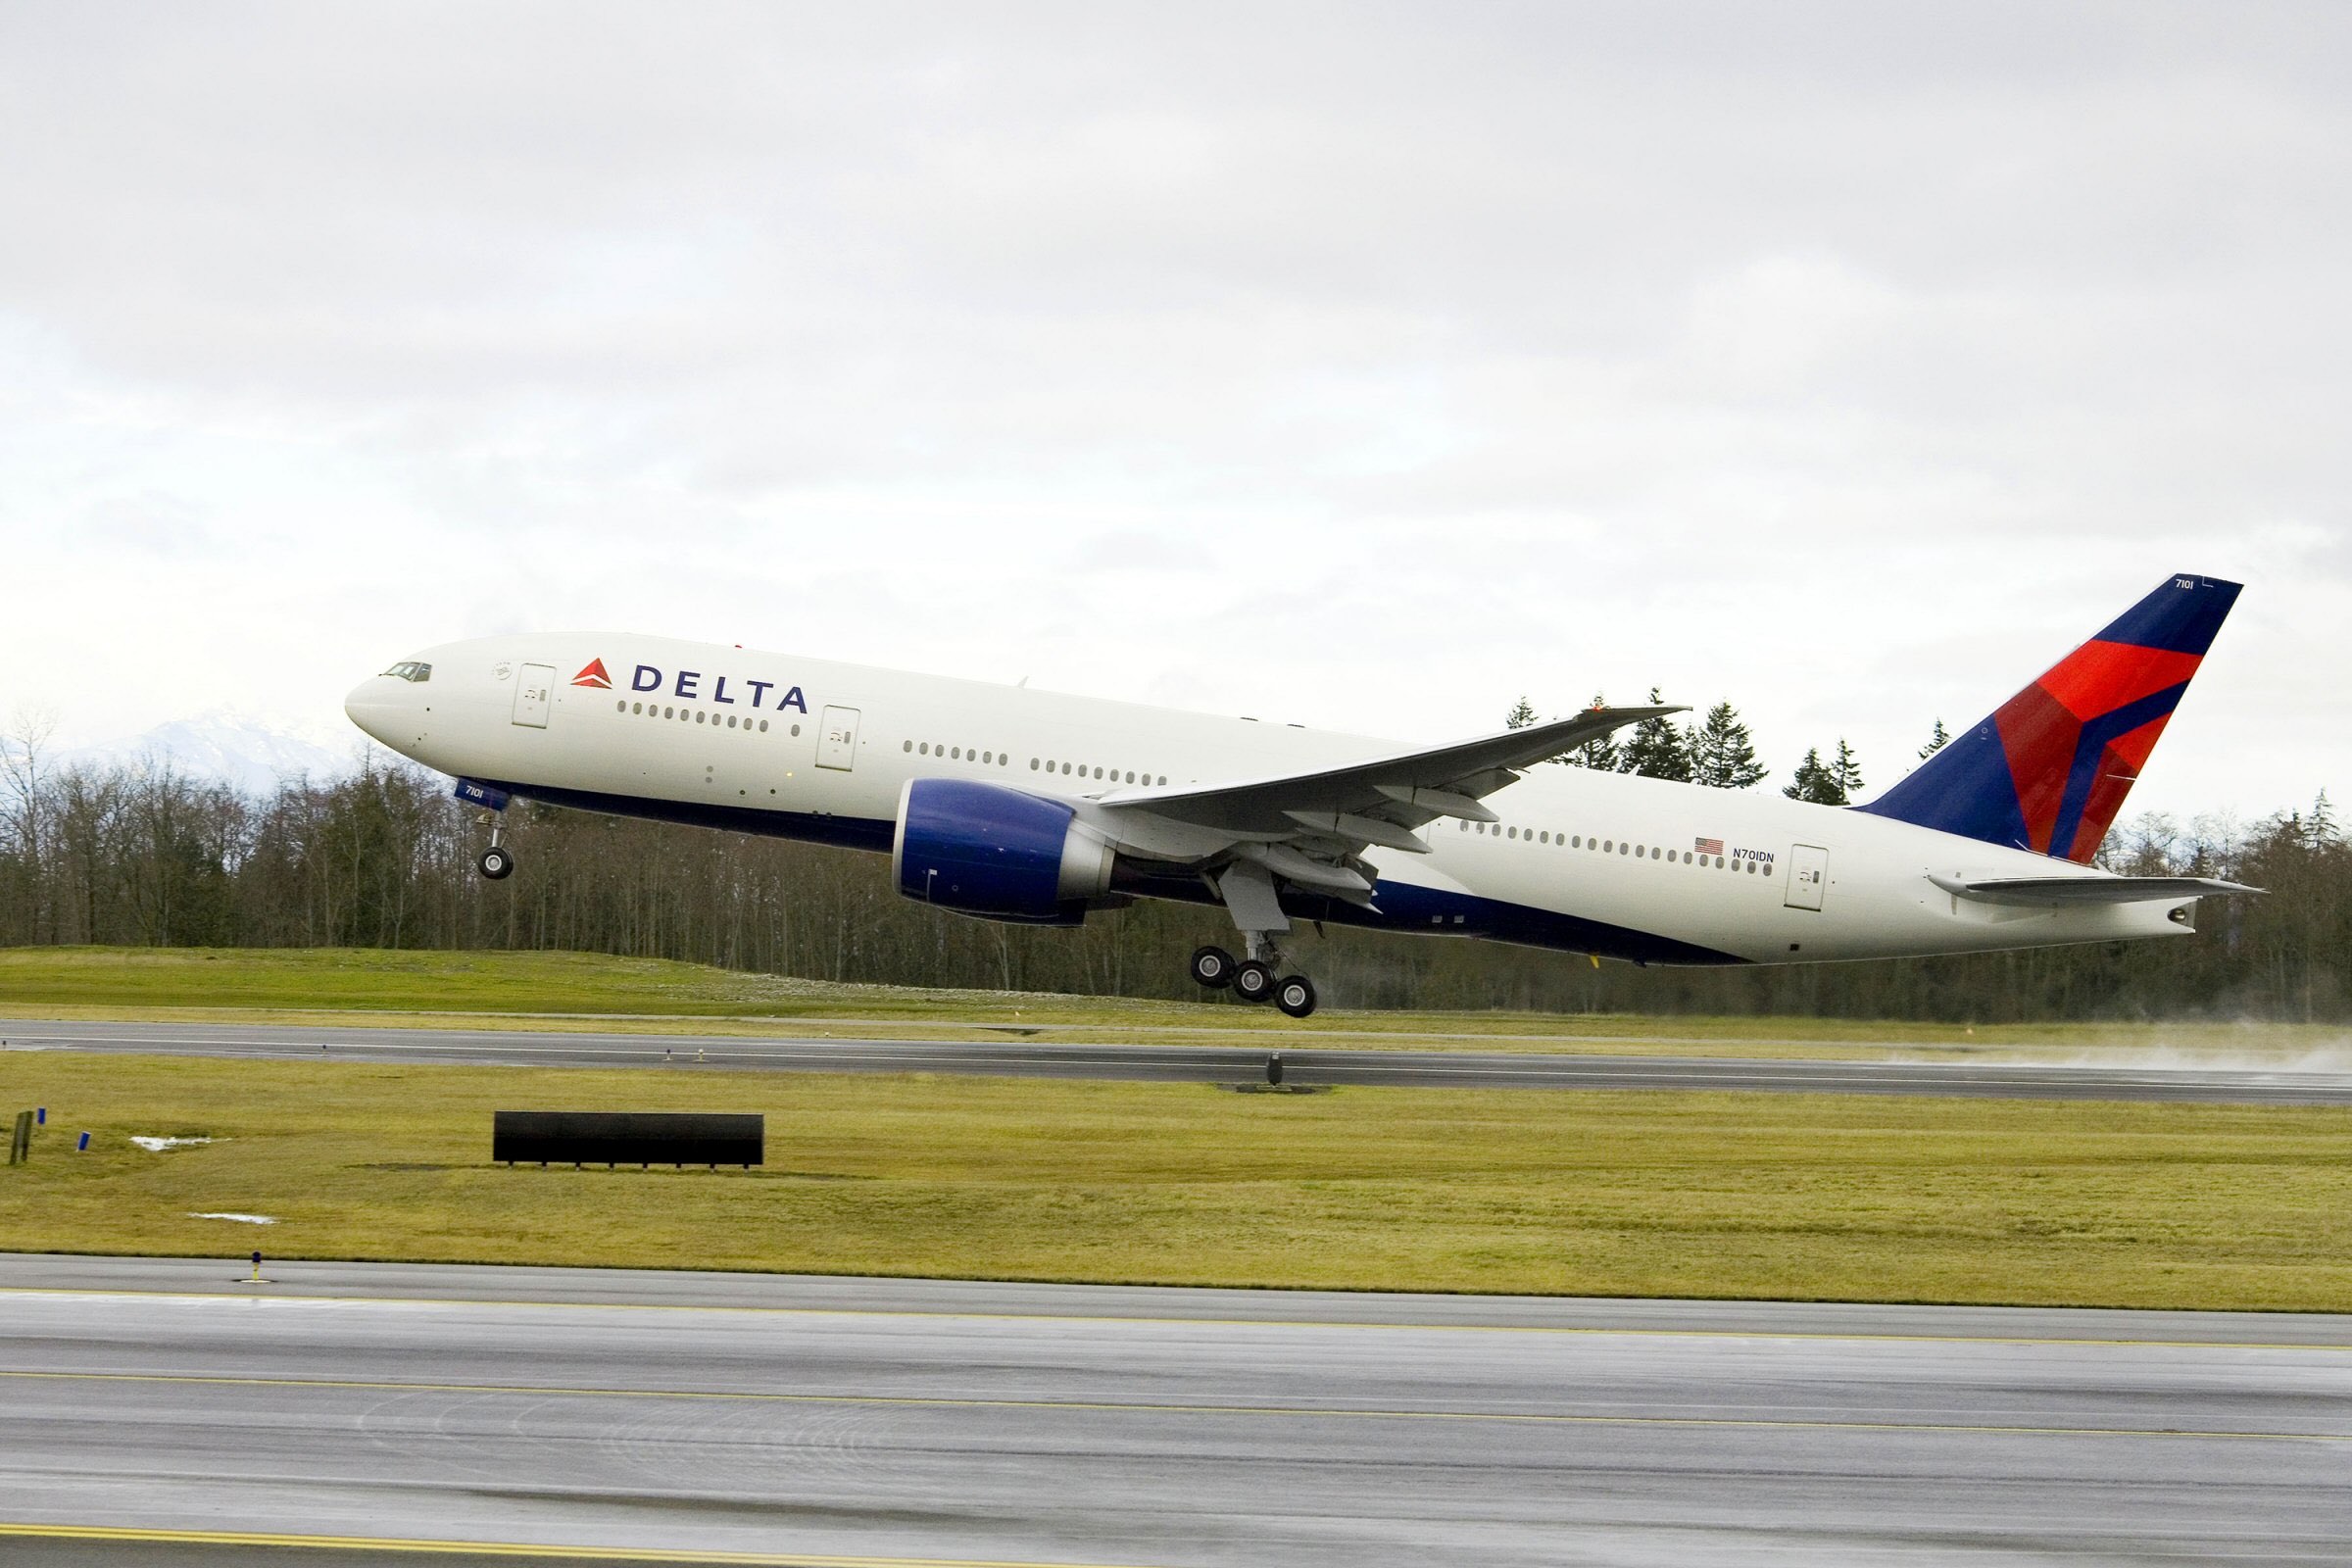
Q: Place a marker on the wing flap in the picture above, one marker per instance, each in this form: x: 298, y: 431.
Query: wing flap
x: 1407, y: 787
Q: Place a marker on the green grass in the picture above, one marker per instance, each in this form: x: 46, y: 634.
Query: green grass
x: 554, y: 991
x: 1773, y: 1196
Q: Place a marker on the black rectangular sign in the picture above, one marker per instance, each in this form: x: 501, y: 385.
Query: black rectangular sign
x: 628, y: 1138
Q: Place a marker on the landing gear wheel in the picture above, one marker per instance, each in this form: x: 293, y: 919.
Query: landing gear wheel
x: 1253, y: 981
x: 496, y: 863
x: 1212, y: 968
x: 1295, y: 995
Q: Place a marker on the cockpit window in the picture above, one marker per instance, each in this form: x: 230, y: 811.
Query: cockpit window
x: 411, y: 669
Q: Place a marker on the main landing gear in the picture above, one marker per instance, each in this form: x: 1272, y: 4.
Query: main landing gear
x: 1253, y: 979
x: 497, y: 862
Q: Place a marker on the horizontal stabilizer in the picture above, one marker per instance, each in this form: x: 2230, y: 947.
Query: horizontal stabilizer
x: 2054, y: 892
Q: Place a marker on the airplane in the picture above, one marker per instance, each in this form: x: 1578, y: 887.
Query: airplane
x: 1036, y: 808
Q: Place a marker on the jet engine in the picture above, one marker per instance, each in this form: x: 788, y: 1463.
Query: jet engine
x: 997, y: 853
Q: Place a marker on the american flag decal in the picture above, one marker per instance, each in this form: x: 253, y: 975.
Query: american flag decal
x: 1709, y: 845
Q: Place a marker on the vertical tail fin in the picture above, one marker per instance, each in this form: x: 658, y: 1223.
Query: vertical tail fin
x: 2049, y: 769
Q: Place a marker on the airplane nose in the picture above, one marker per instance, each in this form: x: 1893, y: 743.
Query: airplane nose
x: 371, y: 707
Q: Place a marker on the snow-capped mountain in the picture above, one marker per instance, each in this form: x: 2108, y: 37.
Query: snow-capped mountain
x: 236, y: 748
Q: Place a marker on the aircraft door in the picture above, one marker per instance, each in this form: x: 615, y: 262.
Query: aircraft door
x: 1808, y: 874
x: 533, y: 691
x: 837, y: 739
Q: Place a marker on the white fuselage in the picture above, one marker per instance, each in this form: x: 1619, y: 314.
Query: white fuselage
x: 1580, y: 860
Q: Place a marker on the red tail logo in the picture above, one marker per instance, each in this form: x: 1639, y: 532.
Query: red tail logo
x: 593, y: 675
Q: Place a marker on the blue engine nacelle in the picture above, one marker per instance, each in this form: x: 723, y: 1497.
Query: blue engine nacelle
x: 1000, y: 854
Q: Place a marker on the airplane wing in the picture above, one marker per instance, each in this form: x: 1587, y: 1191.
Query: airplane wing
x: 2055, y: 891
x: 1309, y: 828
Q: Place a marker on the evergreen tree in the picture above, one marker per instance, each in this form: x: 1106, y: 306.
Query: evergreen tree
x: 1846, y: 773
x: 1657, y: 749
x: 1810, y: 781
x: 1936, y: 742
x: 1722, y: 756
x: 1832, y: 783
x: 1601, y: 752
x: 1522, y: 714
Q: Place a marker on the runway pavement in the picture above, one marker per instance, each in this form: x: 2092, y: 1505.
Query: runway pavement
x: 352, y: 1409
x: 1302, y: 1067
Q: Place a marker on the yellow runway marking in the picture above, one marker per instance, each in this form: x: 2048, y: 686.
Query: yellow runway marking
x: 1135, y: 1408
x: 501, y: 1549
x: 1157, y: 1321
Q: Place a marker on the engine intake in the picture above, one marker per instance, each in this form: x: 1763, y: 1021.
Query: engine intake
x: 1000, y: 854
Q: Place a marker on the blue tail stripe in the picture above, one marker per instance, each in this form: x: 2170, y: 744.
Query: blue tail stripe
x: 2092, y: 745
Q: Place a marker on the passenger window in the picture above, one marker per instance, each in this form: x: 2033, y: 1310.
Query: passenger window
x: 1577, y: 842
x: 1033, y: 764
x: 764, y: 726
x: 908, y: 747
x: 796, y: 729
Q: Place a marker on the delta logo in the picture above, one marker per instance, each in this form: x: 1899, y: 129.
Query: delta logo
x: 689, y: 684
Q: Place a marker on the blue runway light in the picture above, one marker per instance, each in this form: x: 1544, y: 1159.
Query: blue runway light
x: 84, y: 1145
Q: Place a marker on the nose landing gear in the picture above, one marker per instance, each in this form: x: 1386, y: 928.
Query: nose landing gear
x: 497, y: 864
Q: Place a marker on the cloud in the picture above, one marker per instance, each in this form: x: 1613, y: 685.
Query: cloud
x: 1373, y: 363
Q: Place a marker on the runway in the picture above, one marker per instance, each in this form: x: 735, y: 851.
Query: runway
x: 352, y: 1409
x: 1301, y: 1066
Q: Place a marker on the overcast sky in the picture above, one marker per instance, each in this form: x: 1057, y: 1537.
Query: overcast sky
x: 1361, y: 366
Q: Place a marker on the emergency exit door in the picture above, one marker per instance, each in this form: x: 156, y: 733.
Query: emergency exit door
x: 1808, y: 874
x: 532, y: 693
x: 837, y: 739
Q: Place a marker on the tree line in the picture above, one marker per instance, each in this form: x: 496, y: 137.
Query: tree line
x: 1716, y: 750
x: 145, y: 854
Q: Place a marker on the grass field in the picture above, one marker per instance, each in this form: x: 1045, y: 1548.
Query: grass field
x: 1636, y: 1194
x: 561, y: 990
